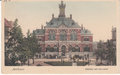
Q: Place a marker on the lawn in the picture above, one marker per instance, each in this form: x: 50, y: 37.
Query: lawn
x: 66, y: 63
x: 59, y: 63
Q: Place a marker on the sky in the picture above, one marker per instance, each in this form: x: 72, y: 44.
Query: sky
x: 96, y: 16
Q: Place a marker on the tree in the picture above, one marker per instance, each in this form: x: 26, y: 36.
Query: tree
x: 19, y: 48
x: 100, y: 52
x: 15, y: 39
x: 31, y: 46
x: 111, y: 52
x: 23, y: 51
x: 34, y: 46
x: 28, y: 45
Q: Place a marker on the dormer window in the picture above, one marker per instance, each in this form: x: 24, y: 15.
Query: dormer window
x: 73, y: 23
x: 51, y: 23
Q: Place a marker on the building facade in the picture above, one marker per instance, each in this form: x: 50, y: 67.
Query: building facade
x: 8, y: 26
x: 62, y: 36
x: 114, y: 35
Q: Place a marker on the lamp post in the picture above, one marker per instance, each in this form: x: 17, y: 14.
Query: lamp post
x: 88, y: 58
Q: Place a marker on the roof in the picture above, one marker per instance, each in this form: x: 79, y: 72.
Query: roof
x: 8, y: 23
x: 86, y: 32
x: 56, y: 22
x: 39, y: 31
x: 63, y: 22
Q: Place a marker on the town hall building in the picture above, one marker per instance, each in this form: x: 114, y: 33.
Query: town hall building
x: 62, y: 36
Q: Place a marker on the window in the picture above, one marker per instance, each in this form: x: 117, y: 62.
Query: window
x: 73, y: 36
x: 73, y: 23
x: 48, y: 48
x: 87, y: 49
x: 52, y: 49
x: 51, y: 23
x: 86, y: 38
x: 51, y: 35
x: 74, y: 49
x: 63, y: 36
x: 56, y: 49
x: 77, y: 48
x: 40, y: 39
x: 86, y: 31
x: 63, y: 49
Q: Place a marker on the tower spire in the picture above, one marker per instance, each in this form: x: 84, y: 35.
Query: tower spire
x: 62, y: 9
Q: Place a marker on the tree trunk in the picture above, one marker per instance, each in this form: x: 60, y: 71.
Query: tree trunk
x: 101, y: 61
x: 28, y: 61
x: 61, y: 59
x: 33, y: 59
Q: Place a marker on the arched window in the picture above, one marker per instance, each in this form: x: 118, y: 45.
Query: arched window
x: 73, y: 49
x: 63, y: 50
x: 52, y: 35
x: 77, y: 48
x: 52, y: 49
x: 48, y: 48
x: 56, y: 48
x: 87, y: 49
x: 73, y: 36
x: 63, y: 35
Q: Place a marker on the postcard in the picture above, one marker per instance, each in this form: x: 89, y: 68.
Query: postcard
x: 60, y: 36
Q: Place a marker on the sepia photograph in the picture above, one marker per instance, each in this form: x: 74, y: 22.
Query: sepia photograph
x: 60, y: 33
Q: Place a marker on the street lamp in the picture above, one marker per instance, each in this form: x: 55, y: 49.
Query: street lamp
x: 88, y: 58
